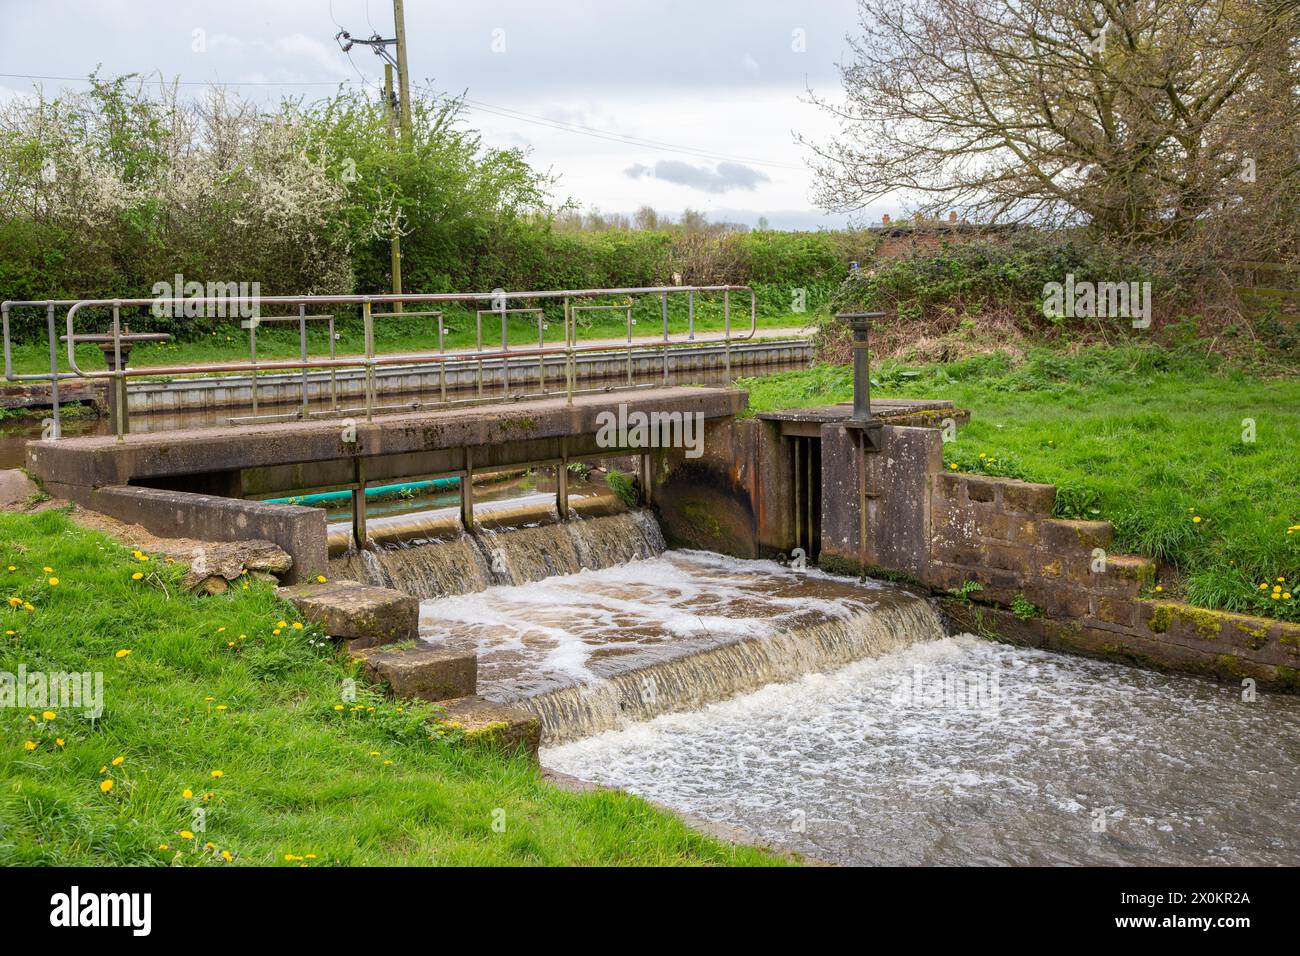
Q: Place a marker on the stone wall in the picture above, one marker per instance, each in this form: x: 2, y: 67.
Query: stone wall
x: 1000, y: 533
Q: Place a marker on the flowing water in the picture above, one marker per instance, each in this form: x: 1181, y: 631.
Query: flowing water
x: 960, y: 751
x: 603, y: 648
x: 447, y: 561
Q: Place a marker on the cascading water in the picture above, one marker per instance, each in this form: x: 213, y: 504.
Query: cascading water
x: 598, y: 650
x: 450, y: 562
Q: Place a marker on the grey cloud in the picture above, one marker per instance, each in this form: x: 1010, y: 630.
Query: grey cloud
x: 720, y: 179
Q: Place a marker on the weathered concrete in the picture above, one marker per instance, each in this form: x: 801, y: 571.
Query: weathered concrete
x: 300, y: 532
x: 363, y: 616
x: 423, y: 671
x: 503, y: 727
x: 16, y: 489
x: 895, y: 485
x: 393, y: 446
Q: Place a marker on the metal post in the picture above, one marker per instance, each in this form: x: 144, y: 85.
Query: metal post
x: 862, y: 417
x: 359, y: 502
x: 663, y: 311
x: 467, y: 492
x: 121, y: 426
x: 54, y: 373
x: 690, y: 315
x: 478, y: 349
x: 562, y: 481
x: 505, y: 348
x: 570, y: 334
x: 302, y: 351
x: 252, y: 358
x: 442, y: 366
x: 726, y: 330
x: 334, y: 378
x: 368, y: 325
x: 629, y: 343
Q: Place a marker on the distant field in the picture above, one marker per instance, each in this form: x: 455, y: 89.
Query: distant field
x: 1142, y: 437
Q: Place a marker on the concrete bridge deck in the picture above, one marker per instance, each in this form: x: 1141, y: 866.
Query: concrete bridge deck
x: 192, y: 483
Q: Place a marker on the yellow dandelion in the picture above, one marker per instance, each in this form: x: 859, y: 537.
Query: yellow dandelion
x: 297, y: 625
x: 118, y: 761
x: 281, y: 623
x: 15, y: 601
x: 12, y: 568
x: 59, y: 741
x: 225, y: 855
x: 221, y: 630
x: 106, y: 786
x: 163, y: 846
x: 209, y: 846
x: 137, y: 576
x: 1159, y: 587
x: 187, y: 793
x: 338, y: 706
x: 320, y: 579
x: 218, y: 773
x: 374, y: 753
x: 187, y: 835
x: 28, y: 607
x: 48, y: 714
x: 276, y: 632
x: 1286, y: 595
x: 953, y: 466
x: 1196, y: 519
x: 124, y: 652
x: 221, y: 706
x: 30, y: 745
x: 47, y: 569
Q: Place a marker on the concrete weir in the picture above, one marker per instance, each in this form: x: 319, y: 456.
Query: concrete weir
x: 194, y: 482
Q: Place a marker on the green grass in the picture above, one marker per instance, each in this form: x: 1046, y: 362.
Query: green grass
x: 1145, y: 438
x: 228, y: 342
x: 364, y: 786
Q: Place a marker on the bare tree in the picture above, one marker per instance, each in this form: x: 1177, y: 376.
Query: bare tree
x: 1146, y: 119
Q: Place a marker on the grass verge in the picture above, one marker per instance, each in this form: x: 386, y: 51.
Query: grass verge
x: 228, y: 743
x: 1197, y: 465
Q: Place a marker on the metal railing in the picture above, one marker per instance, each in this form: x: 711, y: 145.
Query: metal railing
x: 499, y: 303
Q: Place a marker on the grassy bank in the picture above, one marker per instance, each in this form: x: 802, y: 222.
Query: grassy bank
x: 1148, y: 439
x: 227, y: 341
x: 214, y: 704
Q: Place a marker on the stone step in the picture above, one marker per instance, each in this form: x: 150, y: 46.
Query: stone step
x: 503, y: 727
x: 423, y: 671
x: 359, y: 614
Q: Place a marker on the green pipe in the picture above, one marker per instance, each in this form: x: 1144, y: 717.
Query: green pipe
x: 323, y: 497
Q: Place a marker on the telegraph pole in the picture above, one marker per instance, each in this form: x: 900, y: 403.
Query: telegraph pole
x: 399, y: 110
x: 399, y: 24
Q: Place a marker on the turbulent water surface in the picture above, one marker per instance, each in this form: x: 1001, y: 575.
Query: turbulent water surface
x: 599, y: 649
x: 959, y: 751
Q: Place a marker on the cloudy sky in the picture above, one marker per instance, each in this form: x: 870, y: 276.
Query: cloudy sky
x: 674, y: 103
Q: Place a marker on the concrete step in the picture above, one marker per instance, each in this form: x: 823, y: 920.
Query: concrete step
x: 361, y: 615
x: 503, y: 727
x: 423, y: 671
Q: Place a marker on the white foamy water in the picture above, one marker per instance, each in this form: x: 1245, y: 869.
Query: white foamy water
x: 961, y: 751
x: 595, y: 650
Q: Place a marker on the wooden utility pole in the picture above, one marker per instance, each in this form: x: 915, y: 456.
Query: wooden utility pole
x: 403, y: 73
x: 392, y: 145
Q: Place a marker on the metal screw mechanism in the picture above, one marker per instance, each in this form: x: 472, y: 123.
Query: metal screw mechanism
x: 862, y: 418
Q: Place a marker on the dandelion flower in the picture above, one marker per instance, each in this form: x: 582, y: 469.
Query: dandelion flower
x: 225, y: 855
x: 218, y: 773
x: 187, y: 793
x: 118, y: 761
x: 47, y: 569
x: 297, y: 625
x: 1196, y: 519
x: 320, y: 579
x: 374, y: 753
x: 221, y: 706
x: 187, y: 835
x: 276, y: 632
x: 163, y: 846
x: 12, y: 568
x: 338, y: 706
x: 59, y: 741
x: 30, y: 745
x: 221, y: 630
x: 137, y: 576
x: 1159, y: 587
x: 106, y: 786
x: 281, y: 623
x: 124, y: 652
x: 953, y: 466
x: 48, y: 714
